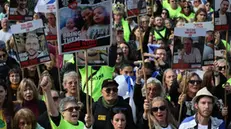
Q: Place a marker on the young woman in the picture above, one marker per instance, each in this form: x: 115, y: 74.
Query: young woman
x: 200, y: 15
x: 25, y: 119
x: 14, y: 78
x: 187, y: 12
x: 6, y: 106
x: 118, y: 118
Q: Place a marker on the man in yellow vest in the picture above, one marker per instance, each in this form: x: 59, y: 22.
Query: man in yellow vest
x: 160, y: 31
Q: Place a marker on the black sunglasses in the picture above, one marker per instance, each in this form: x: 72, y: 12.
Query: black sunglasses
x: 221, y: 67
x: 108, y: 90
x: 195, y: 81
x: 187, y: 7
x: 71, y: 109
x: 155, y: 109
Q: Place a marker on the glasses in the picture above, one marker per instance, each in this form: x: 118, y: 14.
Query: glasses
x: 194, y: 82
x: 55, y: 98
x: 164, y: 13
x: 155, y: 109
x: 71, y: 109
x: 3, y: 56
x: 222, y: 67
x: 187, y: 7
x: 108, y: 90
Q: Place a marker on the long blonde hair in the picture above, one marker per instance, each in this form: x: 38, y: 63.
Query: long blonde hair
x: 170, y: 119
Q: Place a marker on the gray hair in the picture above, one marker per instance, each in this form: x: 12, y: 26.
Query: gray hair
x: 69, y: 74
x: 66, y: 100
x: 157, y: 83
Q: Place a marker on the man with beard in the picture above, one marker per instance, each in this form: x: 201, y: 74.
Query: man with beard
x: 32, y: 46
x: 21, y: 9
x: 222, y: 17
x: 160, y: 31
x: 203, y: 103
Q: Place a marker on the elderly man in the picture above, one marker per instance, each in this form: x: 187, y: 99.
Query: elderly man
x: 108, y: 101
x: 69, y: 109
x: 5, y: 32
x: 203, y: 103
x: 189, y: 53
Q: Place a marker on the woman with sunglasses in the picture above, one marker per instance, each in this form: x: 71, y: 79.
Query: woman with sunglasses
x: 165, y: 14
x: 192, y: 85
x: 159, y: 114
x: 69, y: 109
x: 187, y: 12
x: 25, y: 119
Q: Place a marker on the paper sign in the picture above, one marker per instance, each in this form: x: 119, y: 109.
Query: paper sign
x: 189, y: 32
x: 207, y: 25
x: 76, y: 33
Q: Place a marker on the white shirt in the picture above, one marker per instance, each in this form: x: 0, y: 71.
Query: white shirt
x: 193, y: 57
x: 202, y: 126
x: 169, y: 127
x: 4, y: 36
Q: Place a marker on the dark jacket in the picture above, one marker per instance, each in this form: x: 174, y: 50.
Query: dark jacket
x: 102, y: 114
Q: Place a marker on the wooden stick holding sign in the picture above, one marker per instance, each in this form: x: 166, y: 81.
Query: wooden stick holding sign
x: 145, y: 76
x: 226, y: 69
x: 183, y: 92
x: 86, y: 67
x: 38, y: 70
x: 60, y: 85
x: 91, y: 92
x: 77, y: 71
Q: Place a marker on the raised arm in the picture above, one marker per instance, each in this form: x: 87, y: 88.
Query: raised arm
x: 46, y: 87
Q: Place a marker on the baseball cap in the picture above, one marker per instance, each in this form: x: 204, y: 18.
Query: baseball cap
x: 109, y: 82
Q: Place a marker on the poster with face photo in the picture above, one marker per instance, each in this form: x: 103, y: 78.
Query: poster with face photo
x: 30, y: 43
x: 208, y: 53
x: 96, y: 57
x: 188, y: 48
x: 83, y: 26
x: 22, y: 10
x: 136, y: 7
x: 222, y: 17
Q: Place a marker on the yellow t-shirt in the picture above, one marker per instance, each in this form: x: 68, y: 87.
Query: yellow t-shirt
x: 3, y: 124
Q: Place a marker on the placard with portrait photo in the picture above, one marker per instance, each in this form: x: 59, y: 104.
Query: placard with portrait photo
x: 30, y: 42
x: 22, y: 10
x: 188, y: 48
x: 83, y: 26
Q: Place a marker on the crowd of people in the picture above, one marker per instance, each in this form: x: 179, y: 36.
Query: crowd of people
x: 128, y: 93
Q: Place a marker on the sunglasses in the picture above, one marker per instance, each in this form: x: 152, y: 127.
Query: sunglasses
x: 222, y: 67
x: 3, y: 55
x: 71, y: 109
x: 187, y: 7
x: 164, y: 13
x: 162, y: 108
x: 195, y: 81
x: 55, y: 98
x: 23, y: 123
x: 108, y: 90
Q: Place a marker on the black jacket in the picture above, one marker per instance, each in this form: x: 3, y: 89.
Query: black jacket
x: 102, y: 115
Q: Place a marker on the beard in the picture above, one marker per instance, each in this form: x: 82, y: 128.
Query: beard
x: 205, y: 113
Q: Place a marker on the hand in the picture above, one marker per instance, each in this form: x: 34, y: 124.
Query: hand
x: 138, y: 75
x: 147, y: 108
x: 89, y: 120
x: 160, y: 62
x: 224, y: 111
x: 228, y: 87
x: 46, y: 83
x: 181, y: 98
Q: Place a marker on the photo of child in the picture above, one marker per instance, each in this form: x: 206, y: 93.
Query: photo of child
x: 70, y: 26
x: 101, y: 23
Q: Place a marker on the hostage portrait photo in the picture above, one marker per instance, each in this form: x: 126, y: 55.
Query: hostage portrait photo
x: 31, y: 45
x: 85, y: 23
x: 22, y: 9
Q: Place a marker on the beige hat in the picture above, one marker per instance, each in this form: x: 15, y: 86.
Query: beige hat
x: 203, y: 92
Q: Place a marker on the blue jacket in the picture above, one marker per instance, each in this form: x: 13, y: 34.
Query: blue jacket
x: 190, y: 123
